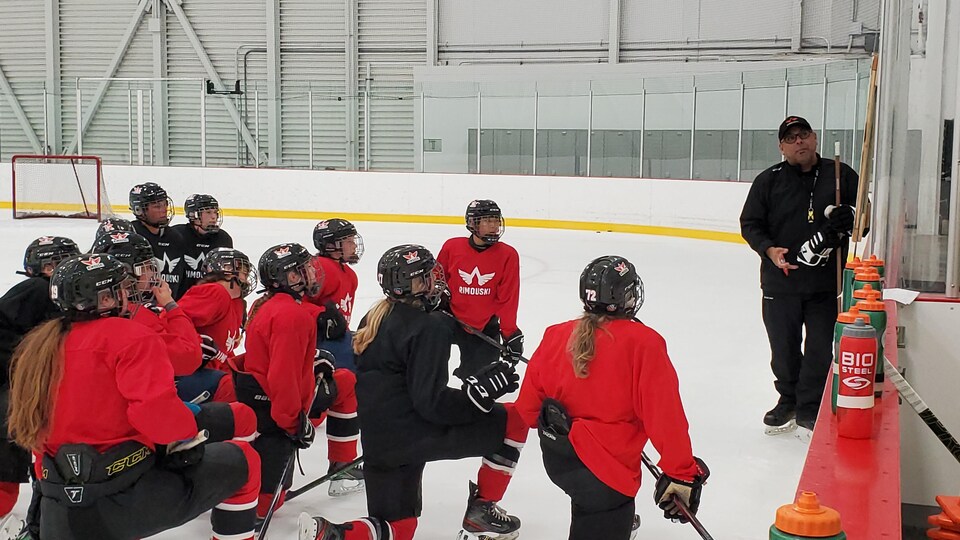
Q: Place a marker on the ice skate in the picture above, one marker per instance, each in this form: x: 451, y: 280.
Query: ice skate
x: 780, y: 420
x: 484, y: 520
x: 10, y: 527
x: 805, y: 430
x: 346, y: 482
x: 635, y: 528
x: 317, y: 528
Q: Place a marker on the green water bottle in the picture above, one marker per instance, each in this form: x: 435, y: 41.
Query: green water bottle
x: 805, y: 519
x: 874, y: 262
x: 844, y: 319
x: 877, y: 312
x: 848, y: 272
x: 867, y: 275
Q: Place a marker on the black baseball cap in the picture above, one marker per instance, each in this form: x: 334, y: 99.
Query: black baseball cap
x: 790, y: 122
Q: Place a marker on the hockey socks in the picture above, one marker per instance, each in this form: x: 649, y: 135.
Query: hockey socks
x: 496, y: 469
x: 234, y: 517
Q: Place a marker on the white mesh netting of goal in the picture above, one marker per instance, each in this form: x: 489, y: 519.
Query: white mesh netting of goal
x: 59, y: 186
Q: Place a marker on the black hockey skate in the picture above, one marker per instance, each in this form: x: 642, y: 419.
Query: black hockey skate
x: 317, y: 528
x: 347, y: 482
x: 484, y: 520
x: 780, y: 419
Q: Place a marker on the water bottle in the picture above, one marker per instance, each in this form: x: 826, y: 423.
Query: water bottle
x: 858, y: 365
x: 806, y: 518
x: 843, y: 320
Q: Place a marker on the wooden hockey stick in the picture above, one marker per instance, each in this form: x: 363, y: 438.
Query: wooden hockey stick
x: 836, y: 174
x: 294, y: 493
x: 483, y: 337
x: 861, y: 220
x: 930, y: 419
x: 687, y: 514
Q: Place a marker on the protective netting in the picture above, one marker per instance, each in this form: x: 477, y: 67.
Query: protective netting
x: 59, y: 186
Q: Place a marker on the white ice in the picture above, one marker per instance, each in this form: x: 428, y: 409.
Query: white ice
x: 702, y: 296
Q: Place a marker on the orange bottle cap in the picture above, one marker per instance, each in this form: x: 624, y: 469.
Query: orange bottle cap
x: 806, y: 517
x: 854, y: 263
x: 867, y: 273
x: 870, y: 305
x: 865, y: 292
x: 873, y: 261
x: 850, y: 317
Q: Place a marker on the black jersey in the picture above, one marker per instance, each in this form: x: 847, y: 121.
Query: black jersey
x: 24, y: 306
x: 195, y: 249
x: 168, y: 250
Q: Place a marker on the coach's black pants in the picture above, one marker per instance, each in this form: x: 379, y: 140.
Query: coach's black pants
x: 800, y: 375
x: 597, y: 510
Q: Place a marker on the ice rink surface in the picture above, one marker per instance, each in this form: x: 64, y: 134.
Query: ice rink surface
x: 702, y: 296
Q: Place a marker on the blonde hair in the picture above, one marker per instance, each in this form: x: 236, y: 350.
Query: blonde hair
x: 364, y: 336
x: 582, y: 342
x: 35, y: 372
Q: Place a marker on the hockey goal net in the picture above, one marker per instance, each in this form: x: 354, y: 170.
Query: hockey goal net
x: 59, y: 186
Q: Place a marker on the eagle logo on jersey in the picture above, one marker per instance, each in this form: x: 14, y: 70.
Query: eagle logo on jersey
x: 195, y: 262
x: 622, y: 268
x: 282, y: 252
x: 411, y: 257
x: 345, y: 304
x: 92, y: 263
x: 232, y: 340
x: 482, y: 279
x: 45, y: 240
x: 167, y: 264
x: 120, y: 237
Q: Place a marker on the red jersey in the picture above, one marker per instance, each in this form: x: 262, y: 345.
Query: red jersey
x: 630, y: 395
x: 178, y: 334
x: 214, y: 313
x: 482, y: 283
x: 281, y: 343
x: 339, y: 285
x: 117, y: 386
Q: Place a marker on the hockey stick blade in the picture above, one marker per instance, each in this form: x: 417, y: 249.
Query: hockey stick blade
x: 294, y: 493
x: 923, y: 411
x: 687, y: 514
x: 483, y: 337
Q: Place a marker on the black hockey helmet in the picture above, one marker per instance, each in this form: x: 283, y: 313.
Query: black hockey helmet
x: 81, y: 284
x: 136, y: 252
x: 47, y: 250
x: 141, y: 195
x: 232, y: 264
x: 400, y: 265
x: 197, y: 203
x: 112, y: 225
x: 610, y: 286
x: 328, y: 235
x: 479, y: 209
x: 277, y: 262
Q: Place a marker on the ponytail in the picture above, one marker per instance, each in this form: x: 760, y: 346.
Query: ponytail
x: 364, y: 336
x: 257, y: 304
x: 582, y: 342
x: 35, y: 372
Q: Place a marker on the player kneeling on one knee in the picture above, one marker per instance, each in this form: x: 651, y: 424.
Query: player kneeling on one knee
x: 409, y: 416
x: 138, y: 464
x: 592, y: 375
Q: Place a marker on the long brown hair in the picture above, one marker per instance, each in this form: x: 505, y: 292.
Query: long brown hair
x: 365, y: 335
x: 35, y: 372
x: 582, y: 341
x: 257, y: 304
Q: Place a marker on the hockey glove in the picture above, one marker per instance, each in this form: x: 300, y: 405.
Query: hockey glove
x: 687, y: 492
x: 323, y: 364
x: 815, y: 251
x: 185, y: 453
x: 495, y: 380
x: 305, y: 433
x: 839, y: 219
x: 513, y: 347
x: 331, y: 324
x: 323, y: 367
x: 210, y: 352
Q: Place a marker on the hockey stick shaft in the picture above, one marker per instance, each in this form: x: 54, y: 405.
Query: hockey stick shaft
x: 687, y: 514
x: 923, y: 411
x: 483, y: 337
x: 836, y: 173
x: 294, y: 493
x: 287, y: 469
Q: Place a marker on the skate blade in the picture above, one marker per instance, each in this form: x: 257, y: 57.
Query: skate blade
x: 342, y: 488
x: 780, y: 430
x: 804, y: 434
x: 467, y: 535
x: 10, y: 527
x: 307, y: 527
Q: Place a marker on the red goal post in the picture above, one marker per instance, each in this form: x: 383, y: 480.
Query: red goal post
x: 59, y: 186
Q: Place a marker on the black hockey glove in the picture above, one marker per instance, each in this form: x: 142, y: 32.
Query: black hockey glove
x: 839, y: 219
x: 210, y: 352
x: 513, y: 347
x: 497, y: 379
x: 323, y: 367
x: 331, y: 324
x: 185, y: 453
x: 305, y: 433
x: 688, y: 492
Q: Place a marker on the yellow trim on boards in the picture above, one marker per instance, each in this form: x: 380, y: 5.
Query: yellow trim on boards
x: 676, y: 232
